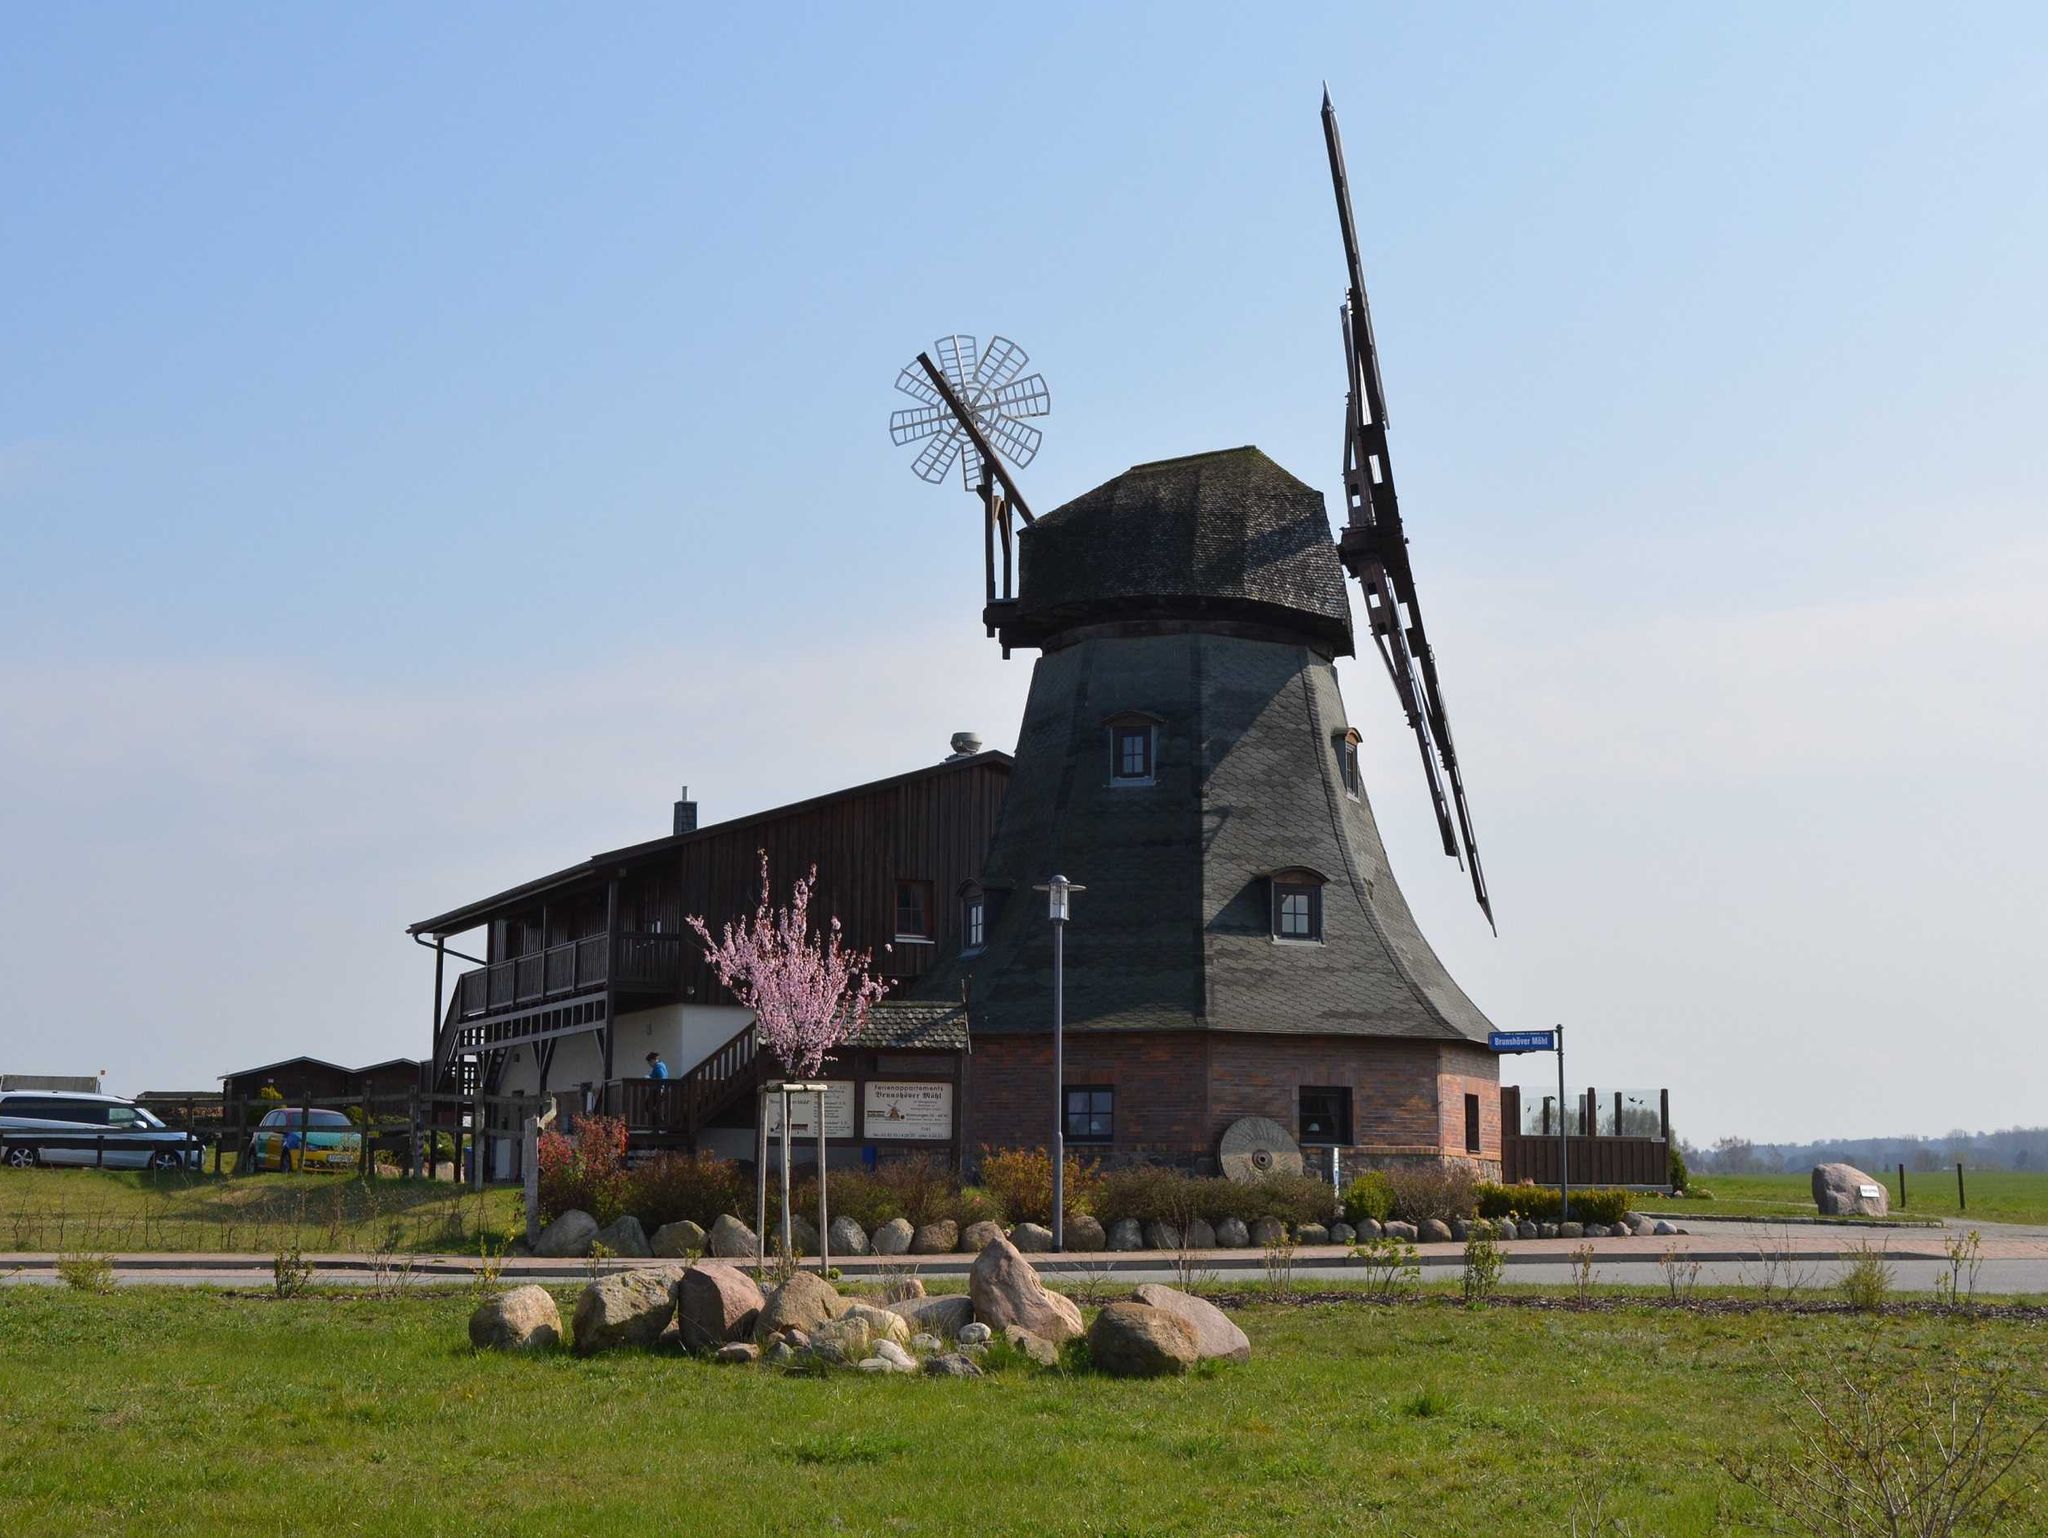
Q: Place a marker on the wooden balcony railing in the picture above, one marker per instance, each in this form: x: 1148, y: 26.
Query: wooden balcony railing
x: 643, y: 962
x: 685, y: 1104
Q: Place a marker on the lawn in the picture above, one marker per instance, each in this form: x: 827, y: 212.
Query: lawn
x: 115, y: 1211
x: 1995, y: 1196
x: 187, y: 1412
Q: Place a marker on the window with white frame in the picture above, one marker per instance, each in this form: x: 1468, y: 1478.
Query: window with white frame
x: 1297, y: 906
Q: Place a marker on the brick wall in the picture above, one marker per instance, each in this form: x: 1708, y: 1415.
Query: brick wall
x: 1176, y: 1091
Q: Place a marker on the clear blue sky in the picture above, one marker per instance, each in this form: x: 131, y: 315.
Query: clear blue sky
x: 387, y: 384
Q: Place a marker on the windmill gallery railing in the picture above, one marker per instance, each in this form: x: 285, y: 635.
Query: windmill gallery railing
x: 625, y: 959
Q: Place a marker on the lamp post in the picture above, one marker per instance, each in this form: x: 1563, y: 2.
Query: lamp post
x: 1057, y: 891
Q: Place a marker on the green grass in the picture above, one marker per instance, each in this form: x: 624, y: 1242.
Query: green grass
x: 187, y: 1412
x: 1996, y: 1196
x: 57, y: 1211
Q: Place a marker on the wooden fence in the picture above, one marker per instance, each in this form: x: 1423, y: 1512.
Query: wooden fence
x: 1595, y: 1158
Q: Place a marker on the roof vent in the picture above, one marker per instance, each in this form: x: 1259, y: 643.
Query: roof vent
x: 686, y: 814
x: 965, y: 745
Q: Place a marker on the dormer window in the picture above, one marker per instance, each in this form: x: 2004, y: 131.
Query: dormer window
x: 1347, y: 763
x: 1133, y: 748
x: 1298, y: 906
x: 973, y: 920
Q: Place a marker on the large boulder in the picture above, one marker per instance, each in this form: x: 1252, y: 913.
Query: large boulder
x: 844, y: 1341
x: 730, y: 1239
x: 1216, y: 1334
x: 1343, y: 1233
x: 1006, y: 1290
x: 803, y: 1235
x: 893, y: 1237
x: 883, y: 1324
x: 1200, y: 1235
x: 1312, y: 1233
x: 897, y: 1288
x: 568, y: 1237
x: 629, y: 1308
x: 1395, y: 1229
x: 1842, y: 1191
x: 681, y: 1240
x: 1132, y: 1340
x: 1084, y: 1234
x: 1033, y: 1238
x: 1434, y: 1231
x: 803, y: 1302
x: 624, y: 1237
x: 935, y: 1238
x: 952, y: 1365
x: 1267, y: 1232
x: 847, y: 1236
x: 1231, y: 1234
x: 944, y: 1317
x: 1162, y: 1236
x: 1127, y: 1234
x: 977, y: 1237
x: 716, y: 1303
x: 518, y: 1319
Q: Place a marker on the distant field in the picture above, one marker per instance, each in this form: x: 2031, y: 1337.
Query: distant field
x: 1995, y: 1196
x: 56, y: 1210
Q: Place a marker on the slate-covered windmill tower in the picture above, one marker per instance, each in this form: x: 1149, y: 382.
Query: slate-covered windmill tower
x: 1242, y: 949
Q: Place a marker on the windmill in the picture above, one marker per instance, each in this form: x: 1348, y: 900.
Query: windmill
x: 1374, y: 549
x: 971, y: 403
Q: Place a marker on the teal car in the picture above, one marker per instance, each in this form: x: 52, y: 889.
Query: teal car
x: 295, y: 1138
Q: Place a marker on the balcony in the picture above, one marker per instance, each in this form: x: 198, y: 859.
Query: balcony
x: 627, y: 961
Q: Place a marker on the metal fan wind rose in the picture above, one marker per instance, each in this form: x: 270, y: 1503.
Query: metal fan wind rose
x: 987, y: 385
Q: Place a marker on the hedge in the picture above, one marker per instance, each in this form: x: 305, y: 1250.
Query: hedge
x: 1540, y: 1203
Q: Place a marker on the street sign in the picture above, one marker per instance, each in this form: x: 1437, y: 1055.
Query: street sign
x: 1522, y: 1041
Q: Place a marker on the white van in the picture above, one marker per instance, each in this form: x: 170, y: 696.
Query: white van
x: 53, y: 1127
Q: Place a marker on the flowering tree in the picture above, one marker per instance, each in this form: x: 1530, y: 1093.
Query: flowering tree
x: 809, y: 992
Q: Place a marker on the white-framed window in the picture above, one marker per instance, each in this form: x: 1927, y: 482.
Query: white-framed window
x: 1347, y: 750
x: 973, y: 921
x: 1297, y: 906
x: 1131, y: 755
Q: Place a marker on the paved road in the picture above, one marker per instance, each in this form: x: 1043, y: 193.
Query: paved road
x: 2014, y: 1261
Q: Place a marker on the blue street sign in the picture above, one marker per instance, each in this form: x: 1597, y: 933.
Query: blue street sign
x: 1522, y: 1041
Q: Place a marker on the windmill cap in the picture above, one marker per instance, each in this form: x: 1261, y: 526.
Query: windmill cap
x: 1227, y: 536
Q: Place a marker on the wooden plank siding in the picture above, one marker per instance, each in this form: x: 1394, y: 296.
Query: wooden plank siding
x: 933, y: 827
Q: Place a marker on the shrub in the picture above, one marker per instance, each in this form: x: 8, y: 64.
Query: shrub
x: 1440, y: 1191
x: 1609, y: 1204
x: 1150, y: 1193
x: 1678, y: 1174
x: 1020, y: 1181
x: 1294, y: 1199
x: 587, y: 1171
x: 1482, y: 1269
x: 1867, y: 1280
x: 923, y: 1189
x: 674, y: 1186
x: 1371, y: 1195
x: 973, y: 1205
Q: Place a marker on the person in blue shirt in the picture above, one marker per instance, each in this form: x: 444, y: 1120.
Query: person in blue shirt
x: 656, y: 1068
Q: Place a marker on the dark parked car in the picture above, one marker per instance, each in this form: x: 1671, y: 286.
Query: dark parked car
x: 53, y: 1127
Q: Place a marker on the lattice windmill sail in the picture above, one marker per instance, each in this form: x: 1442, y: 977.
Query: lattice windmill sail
x: 988, y: 387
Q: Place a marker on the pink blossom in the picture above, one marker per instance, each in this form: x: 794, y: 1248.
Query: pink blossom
x: 808, y: 993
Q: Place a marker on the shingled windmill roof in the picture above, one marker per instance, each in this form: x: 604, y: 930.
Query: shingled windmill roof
x: 1220, y: 536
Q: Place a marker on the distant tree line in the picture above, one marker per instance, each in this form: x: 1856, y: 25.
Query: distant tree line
x: 2014, y: 1148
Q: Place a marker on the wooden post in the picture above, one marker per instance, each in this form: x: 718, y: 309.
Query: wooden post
x: 1962, y: 1200
x: 824, y: 1243
x: 413, y: 1116
x: 761, y: 1181
x: 1902, y: 1185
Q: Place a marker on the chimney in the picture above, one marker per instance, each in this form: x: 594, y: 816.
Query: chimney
x: 686, y: 814
x: 965, y: 745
